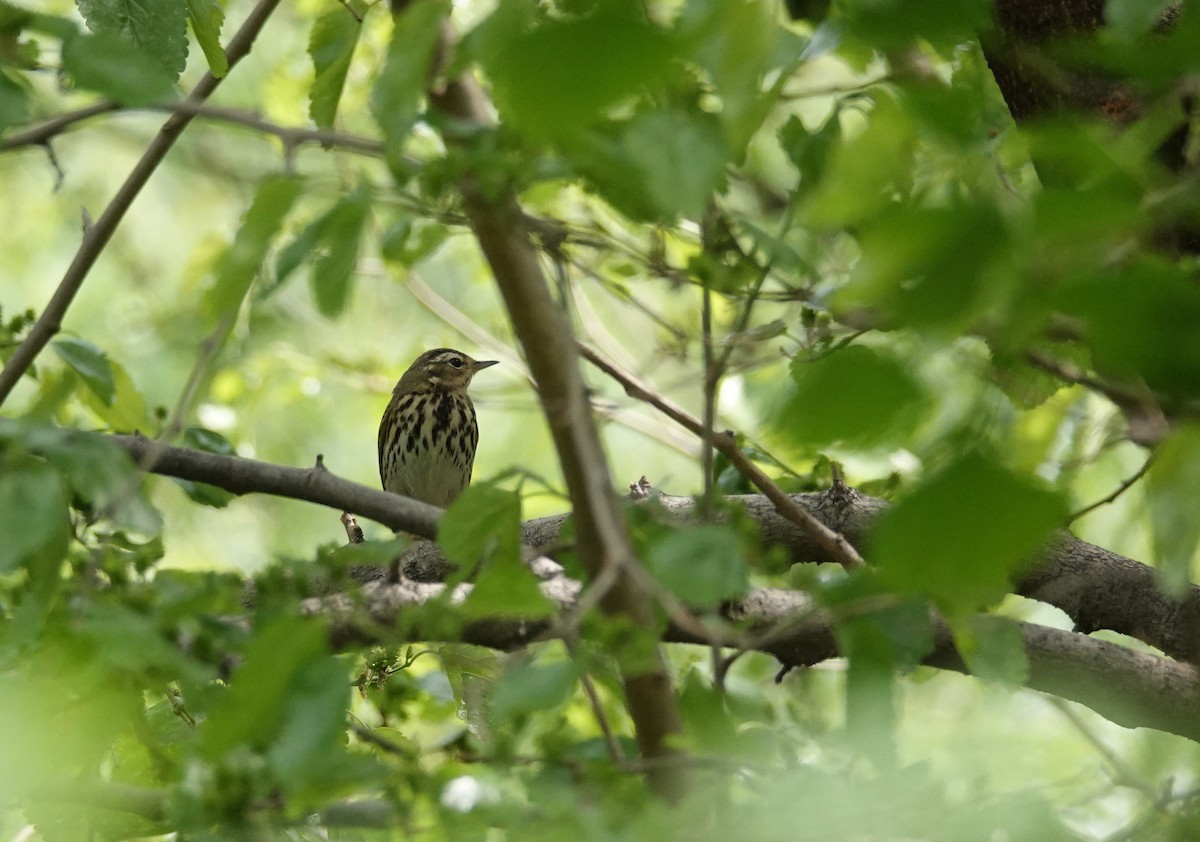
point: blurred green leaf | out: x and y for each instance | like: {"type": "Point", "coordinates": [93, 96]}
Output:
{"type": "Point", "coordinates": [253, 711]}
{"type": "Point", "coordinates": [14, 101]}
{"type": "Point", "coordinates": [1172, 488]}
{"type": "Point", "coordinates": [962, 533]}
{"type": "Point", "coordinates": [112, 66]}
{"type": "Point", "coordinates": [127, 411]}
{"type": "Point", "coordinates": [237, 267]}
{"type": "Point", "coordinates": [856, 395]}
{"type": "Point", "coordinates": [33, 516]}
{"type": "Point", "coordinates": [659, 165]}
{"type": "Point", "coordinates": [701, 565]}
{"type": "Point", "coordinates": [396, 96]}
{"type": "Point", "coordinates": [734, 44]}
{"type": "Point", "coordinates": [896, 23]}
{"type": "Point", "coordinates": [1140, 321]}
{"type": "Point", "coordinates": [331, 46]}
{"type": "Point", "coordinates": [206, 17]}
{"type": "Point", "coordinates": [929, 268]}
{"type": "Point", "coordinates": [341, 231]}
{"type": "Point", "coordinates": [992, 648]}
{"type": "Point", "coordinates": [156, 28]}
{"type": "Point", "coordinates": [866, 171]}
{"type": "Point", "coordinates": [101, 474]}
{"type": "Point", "coordinates": [709, 726]}
{"type": "Point", "coordinates": [551, 81]}
{"type": "Point", "coordinates": [809, 151]}
{"type": "Point", "coordinates": [532, 686]}
{"type": "Point", "coordinates": [91, 364]}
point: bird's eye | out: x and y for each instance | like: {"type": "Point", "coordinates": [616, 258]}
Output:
{"type": "Point", "coordinates": [456, 362]}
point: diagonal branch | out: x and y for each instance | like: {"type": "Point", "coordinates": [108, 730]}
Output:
{"type": "Point", "coordinates": [96, 236]}
{"type": "Point", "coordinates": [838, 548]}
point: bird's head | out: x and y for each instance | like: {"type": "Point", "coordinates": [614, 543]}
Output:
{"type": "Point", "coordinates": [443, 368]}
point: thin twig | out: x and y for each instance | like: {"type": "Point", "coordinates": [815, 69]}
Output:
{"type": "Point", "coordinates": [97, 236]}
{"type": "Point", "coordinates": [834, 543]}
{"type": "Point", "coordinates": [1120, 489]}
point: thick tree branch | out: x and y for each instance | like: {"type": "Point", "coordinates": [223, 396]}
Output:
{"type": "Point", "coordinates": [545, 335]}
{"type": "Point", "coordinates": [1130, 688]}
{"type": "Point", "coordinates": [97, 235]}
{"type": "Point", "coordinates": [1096, 588]}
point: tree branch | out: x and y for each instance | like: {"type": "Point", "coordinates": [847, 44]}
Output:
{"type": "Point", "coordinates": [1096, 588]}
{"type": "Point", "coordinates": [96, 236]}
{"type": "Point", "coordinates": [1130, 688]}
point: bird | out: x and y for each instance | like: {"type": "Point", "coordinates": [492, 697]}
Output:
{"type": "Point", "coordinates": [428, 434]}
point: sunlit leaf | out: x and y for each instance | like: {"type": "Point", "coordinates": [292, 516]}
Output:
{"type": "Point", "coordinates": [331, 46]}
{"type": "Point", "coordinates": [206, 17]}
{"type": "Point", "coordinates": [127, 412]}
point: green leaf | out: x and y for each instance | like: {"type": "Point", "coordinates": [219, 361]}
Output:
{"type": "Point", "coordinates": [854, 395]}
{"type": "Point", "coordinates": [208, 441]}
{"type": "Point", "coordinates": [1139, 321]}
{"type": "Point", "coordinates": [552, 81]}
{"type": "Point", "coordinates": [110, 65]}
{"type": "Point", "coordinates": [682, 159]}
{"type": "Point", "coordinates": [252, 711]}
{"type": "Point", "coordinates": [206, 17]}
{"type": "Point", "coordinates": [331, 46]}
{"type": "Point", "coordinates": [484, 522]}
{"type": "Point", "coordinates": [1172, 488]}
{"type": "Point", "coordinates": [866, 171]}
{"type": "Point", "coordinates": [313, 715]}
{"type": "Point", "coordinates": [396, 96]}
{"type": "Point", "coordinates": [961, 534]}
{"type": "Point", "coordinates": [659, 165]}
{"type": "Point", "coordinates": [91, 364]}
{"type": "Point", "coordinates": [100, 474]}
{"type": "Point", "coordinates": [126, 413]}
{"type": "Point", "coordinates": [532, 686]}
{"type": "Point", "coordinates": [734, 43]}
{"type": "Point", "coordinates": [341, 231]}
{"type": "Point", "coordinates": [897, 23]}
{"type": "Point", "coordinates": [710, 728]}
{"type": "Point", "coordinates": [14, 101]}
{"type": "Point", "coordinates": [483, 526]}
{"type": "Point", "coordinates": [701, 565]}
{"type": "Point", "coordinates": [928, 268]}
{"type": "Point", "coordinates": [238, 266]}
{"type": "Point", "coordinates": [156, 28]}
{"type": "Point", "coordinates": [992, 648]}
{"type": "Point", "coordinates": [33, 517]}
{"type": "Point", "coordinates": [809, 151]}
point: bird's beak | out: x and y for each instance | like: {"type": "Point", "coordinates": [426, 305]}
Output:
{"type": "Point", "coordinates": [479, 365]}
